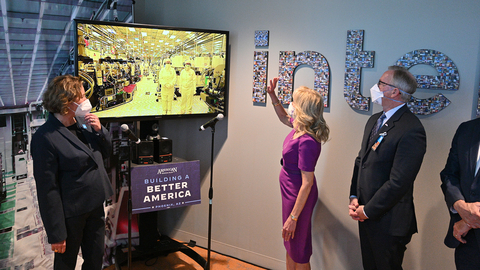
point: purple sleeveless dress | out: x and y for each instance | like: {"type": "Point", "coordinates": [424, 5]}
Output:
{"type": "Point", "coordinates": [299, 154]}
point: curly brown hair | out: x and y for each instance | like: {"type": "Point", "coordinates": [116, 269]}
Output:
{"type": "Point", "coordinates": [60, 92]}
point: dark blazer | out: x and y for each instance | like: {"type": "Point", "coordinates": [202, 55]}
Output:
{"type": "Point", "coordinates": [70, 176]}
{"type": "Point", "coordinates": [458, 177]}
{"type": "Point", "coordinates": [383, 179]}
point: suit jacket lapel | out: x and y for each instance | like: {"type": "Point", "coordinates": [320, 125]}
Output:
{"type": "Point", "coordinates": [390, 124]}
{"type": "Point", "coordinates": [72, 138]}
{"type": "Point", "coordinates": [473, 153]}
{"type": "Point", "coordinates": [370, 124]}
{"type": "Point", "coordinates": [395, 117]}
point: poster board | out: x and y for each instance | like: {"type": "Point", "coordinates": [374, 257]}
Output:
{"type": "Point", "coordinates": [162, 186]}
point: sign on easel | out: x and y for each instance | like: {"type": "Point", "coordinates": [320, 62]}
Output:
{"type": "Point", "coordinates": [162, 186]}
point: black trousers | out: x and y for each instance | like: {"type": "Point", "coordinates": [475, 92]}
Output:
{"type": "Point", "coordinates": [467, 256]}
{"type": "Point", "coordinates": [381, 251]}
{"type": "Point", "coordinates": [86, 231]}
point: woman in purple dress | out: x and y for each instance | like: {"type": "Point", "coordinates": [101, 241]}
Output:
{"type": "Point", "coordinates": [301, 150]}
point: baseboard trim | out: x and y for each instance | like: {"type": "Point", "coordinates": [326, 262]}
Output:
{"type": "Point", "coordinates": [230, 250]}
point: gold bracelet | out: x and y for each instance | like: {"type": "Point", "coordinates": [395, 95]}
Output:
{"type": "Point", "coordinates": [293, 217]}
{"type": "Point", "coordinates": [276, 104]}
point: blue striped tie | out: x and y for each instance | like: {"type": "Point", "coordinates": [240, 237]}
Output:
{"type": "Point", "coordinates": [377, 127]}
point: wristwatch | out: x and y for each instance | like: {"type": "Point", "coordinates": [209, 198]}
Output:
{"type": "Point", "coordinates": [293, 217]}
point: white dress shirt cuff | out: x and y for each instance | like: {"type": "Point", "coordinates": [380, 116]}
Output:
{"type": "Point", "coordinates": [364, 212]}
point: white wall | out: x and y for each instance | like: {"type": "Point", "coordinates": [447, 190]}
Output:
{"type": "Point", "coordinates": [246, 206]}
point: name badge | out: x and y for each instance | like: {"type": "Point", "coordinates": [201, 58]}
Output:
{"type": "Point", "coordinates": [379, 140]}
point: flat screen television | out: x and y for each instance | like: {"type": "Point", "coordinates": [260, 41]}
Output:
{"type": "Point", "coordinates": [144, 72]}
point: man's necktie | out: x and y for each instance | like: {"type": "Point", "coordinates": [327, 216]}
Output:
{"type": "Point", "coordinates": [377, 126]}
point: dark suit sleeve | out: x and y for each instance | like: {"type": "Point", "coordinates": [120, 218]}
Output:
{"type": "Point", "coordinates": [353, 185]}
{"type": "Point", "coordinates": [368, 127]}
{"type": "Point", "coordinates": [105, 141]}
{"type": "Point", "coordinates": [407, 161]}
{"type": "Point", "coordinates": [450, 175]}
{"type": "Point", "coordinates": [45, 170]}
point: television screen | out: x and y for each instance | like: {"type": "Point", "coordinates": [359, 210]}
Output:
{"type": "Point", "coordinates": [138, 71]}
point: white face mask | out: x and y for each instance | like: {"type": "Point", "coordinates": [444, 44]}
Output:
{"type": "Point", "coordinates": [291, 110]}
{"type": "Point", "coordinates": [376, 94]}
{"type": "Point", "coordinates": [83, 108]}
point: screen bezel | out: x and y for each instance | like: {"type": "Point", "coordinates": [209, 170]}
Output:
{"type": "Point", "coordinates": [159, 27]}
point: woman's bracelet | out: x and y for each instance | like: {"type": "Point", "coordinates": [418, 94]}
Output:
{"type": "Point", "coordinates": [276, 104]}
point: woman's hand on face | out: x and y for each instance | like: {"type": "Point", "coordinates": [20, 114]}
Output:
{"type": "Point", "coordinates": [93, 121]}
{"type": "Point", "coordinates": [272, 86]}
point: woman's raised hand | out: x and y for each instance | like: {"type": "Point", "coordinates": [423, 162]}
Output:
{"type": "Point", "coordinates": [272, 86]}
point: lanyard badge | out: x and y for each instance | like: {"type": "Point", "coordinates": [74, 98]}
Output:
{"type": "Point", "coordinates": [379, 140]}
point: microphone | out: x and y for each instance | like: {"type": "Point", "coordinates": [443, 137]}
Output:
{"type": "Point", "coordinates": [130, 134]}
{"type": "Point", "coordinates": [212, 122]}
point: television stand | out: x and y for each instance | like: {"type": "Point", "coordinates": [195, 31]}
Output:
{"type": "Point", "coordinates": [152, 244]}
{"type": "Point", "coordinates": [164, 246]}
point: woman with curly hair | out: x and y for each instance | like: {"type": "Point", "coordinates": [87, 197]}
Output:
{"type": "Point", "coordinates": [301, 150]}
{"type": "Point", "coordinates": [72, 183]}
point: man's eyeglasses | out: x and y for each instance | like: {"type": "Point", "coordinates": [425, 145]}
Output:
{"type": "Point", "coordinates": [381, 82]}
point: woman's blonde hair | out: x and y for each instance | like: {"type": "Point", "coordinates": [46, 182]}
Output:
{"type": "Point", "coordinates": [308, 105]}
{"type": "Point", "coordinates": [60, 92]}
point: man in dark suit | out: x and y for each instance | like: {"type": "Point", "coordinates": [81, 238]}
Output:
{"type": "Point", "coordinates": [72, 183]}
{"type": "Point", "coordinates": [461, 187]}
{"type": "Point", "coordinates": [381, 192]}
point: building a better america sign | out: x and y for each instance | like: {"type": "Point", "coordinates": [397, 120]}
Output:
{"type": "Point", "coordinates": [162, 186]}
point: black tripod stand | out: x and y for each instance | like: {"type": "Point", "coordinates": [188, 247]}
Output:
{"type": "Point", "coordinates": [210, 197]}
{"type": "Point", "coordinates": [211, 124]}
{"type": "Point", "coordinates": [129, 180]}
